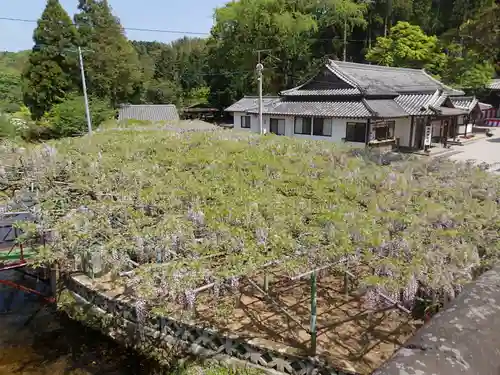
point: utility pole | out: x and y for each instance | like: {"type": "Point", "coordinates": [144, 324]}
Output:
{"type": "Point", "coordinates": [259, 69]}
{"type": "Point", "coordinates": [345, 38]}
{"type": "Point", "coordinates": [84, 86]}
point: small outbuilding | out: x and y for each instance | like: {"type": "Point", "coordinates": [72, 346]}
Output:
{"type": "Point", "coordinates": [148, 112]}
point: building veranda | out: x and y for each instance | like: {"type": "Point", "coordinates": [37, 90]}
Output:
{"type": "Point", "coordinates": [304, 248]}
{"type": "Point", "coordinates": [365, 105]}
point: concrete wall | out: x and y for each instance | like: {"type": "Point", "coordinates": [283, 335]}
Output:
{"type": "Point", "coordinates": [462, 339]}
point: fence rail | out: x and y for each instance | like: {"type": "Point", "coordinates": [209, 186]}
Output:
{"type": "Point", "coordinates": [8, 233]}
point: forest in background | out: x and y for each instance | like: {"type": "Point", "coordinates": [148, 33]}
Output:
{"type": "Point", "coordinates": [458, 41]}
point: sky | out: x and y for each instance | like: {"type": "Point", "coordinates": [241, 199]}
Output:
{"type": "Point", "coordinates": [178, 15]}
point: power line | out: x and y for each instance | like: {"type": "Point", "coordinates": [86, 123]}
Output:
{"type": "Point", "coordinates": [181, 32]}
{"type": "Point", "coordinates": [125, 28]}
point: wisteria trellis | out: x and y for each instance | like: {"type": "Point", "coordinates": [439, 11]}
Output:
{"type": "Point", "coordinates": [198, 209]}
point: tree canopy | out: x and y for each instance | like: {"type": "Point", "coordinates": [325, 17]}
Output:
{"type": "Point", "coordinates": [407, 46]}
{"type": "Point", "coordinates": [51, 69]}
{"type": "Point", "coordinates": [112, 64]}
{"type": "Point", "coordinates": [460, 46]}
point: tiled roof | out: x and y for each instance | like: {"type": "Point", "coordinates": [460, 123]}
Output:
{"type": "Point", "coordinates": [495, 84]}
{"type": "Point", "coordinates": [464, 102]}
{"type": "Point", "coordinates": [386, 108]}
{"type": "Point", "coordinates": [250, 102]}
{"type": "Point", "coordinates": [447, 111]}
{"type": "Point", "coordinates": [345, 109]}
{"type": "Point", "coordinates": [158, 112]}
{"type": "Point", "coordinates": [297, 91]}
{"type": "Point", "coordinates": [484, 106]}
{"type": "Point", "coordinates": [383, 78]}
{"type": "Point", "coordinates": [338, 78]}
{"type": "Point", "coordinates": [414, 104]}
{"type": "Point", "coordinates": [327, 82]}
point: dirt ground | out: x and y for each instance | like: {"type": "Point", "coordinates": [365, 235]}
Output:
{"type": "Point", "coordinates": [350, 336]}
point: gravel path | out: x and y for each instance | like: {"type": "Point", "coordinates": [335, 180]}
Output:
{"type": "Point", "coordinates": [485, 150]}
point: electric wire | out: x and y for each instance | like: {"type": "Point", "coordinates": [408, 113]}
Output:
{"type": "Point", "coordinates": [183, 32]}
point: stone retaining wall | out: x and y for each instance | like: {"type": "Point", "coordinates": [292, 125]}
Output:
{"type": "Point", "coordinates": [462, 339]}
{"type": "Point", "coordinates": [199, 341]}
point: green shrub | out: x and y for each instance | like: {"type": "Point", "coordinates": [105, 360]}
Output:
{"type": "Point", "coordinates": [10, 107]}
{"type": "Point", "coordinates": [7, 128]}
{"type": "Point", "coordinates": [68, 118]}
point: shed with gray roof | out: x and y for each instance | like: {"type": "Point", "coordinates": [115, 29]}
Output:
{"type": "Point", "coordinates": [149, 112]}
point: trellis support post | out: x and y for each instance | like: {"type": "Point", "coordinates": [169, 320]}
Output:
{"type": "Point", "coordinates": [313, 313]}
{"type": "Point", "coordinates": [346, 281]}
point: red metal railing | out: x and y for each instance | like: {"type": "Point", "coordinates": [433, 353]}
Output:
{"type": "Point", "coordinates": [16, 263]}
{"type": "Point", "coordinates": [23, 288]}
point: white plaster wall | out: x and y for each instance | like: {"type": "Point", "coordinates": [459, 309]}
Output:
{"type": "Point", "coordinates": [402, 130]}
{"type": "Point", "coordinates": [338, 131]}
{"type": "Point", "coordinates": [436, 128]}
{"type": "Point", "coordinates": [338, 127]}
{"type": "Point", "coordinates": [237, 120]}
{"type": "Point", "coordinates": [461, 129]}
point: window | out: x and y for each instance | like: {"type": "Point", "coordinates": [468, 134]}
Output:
{"type": "Point", "coordinates": [303, 125]}
{"type": "Point", "coordinates": [313, 126]}
{"type": "Point", "coordinates": [383, 130]}
{"type": "Point", "coordinates": [355, 132]}
{"type": "Point", "coordinates": [245, 122]}
{"type": "Point", "coordinates": [322, 127]}
{"type": "Point", "coordinates": [277, 126]}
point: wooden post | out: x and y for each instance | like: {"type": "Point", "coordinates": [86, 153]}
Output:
{"type": "Point", "coordinates": [54, 279]}
{"type": "Point", "coordinates": [313, 313]}
{"type": "Point", "coordinates": [346, 279]}
{"type": "Point", "coordinates": [266, 282]}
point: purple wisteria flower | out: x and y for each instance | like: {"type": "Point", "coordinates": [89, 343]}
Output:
{"type": "Point", "coordinates": [197, 217]}
{"type": "Point", "coordinates": [261, 236]}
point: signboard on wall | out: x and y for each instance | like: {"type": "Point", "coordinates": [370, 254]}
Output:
{"type": "Point", "coordinates": [428, 135]}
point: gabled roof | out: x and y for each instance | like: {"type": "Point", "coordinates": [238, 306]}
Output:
{"type": "Point", "coordinates": [495, 84]}
{"type": "Point", "coordinates": [416, 104]}
{"type": "Point", "coordinates": [401, 80]}
{"type": "Point", "coordinates": [327, 82]}
{"type": "Point", "coordinates": [148, 112]}
{"type": "Point", "coordinates": [352, 90]}
{"type": "Point", "coordinates": [338, 78]}
{"type": "Point", "coordinates": [484, 106]}
{"type": "Point", "coordinates": [248, 103]}
{"type": "Point", "coordinates": [464, 102]}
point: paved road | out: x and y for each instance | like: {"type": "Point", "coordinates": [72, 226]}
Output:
{"type": "Point", "coordinates": [485, 150]}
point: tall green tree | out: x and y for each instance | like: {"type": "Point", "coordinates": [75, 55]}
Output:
{"type": "Point", "coordinates": [408, 46]}
{"type": "Point", "coordinates": [112, 64]}
{"type": "Point", "coordinates": [482, 33]}
{"type": "Point", "coordinates": [467, 69]}
{"type": "Point", "coordinates": [241, 28]}
{"type": "Point", "coordinates": [52, 65]}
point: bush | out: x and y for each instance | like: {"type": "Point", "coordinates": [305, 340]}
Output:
{"type": "Point", "coordinates": [68, 118]}
{"type": "Point", "coordinates": [10, 107]}
{"type": "Point", "coordinates": [7, 128]}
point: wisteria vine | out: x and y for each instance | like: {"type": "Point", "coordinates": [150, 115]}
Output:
{"type": "Point", "coordinates": [212, 208]}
